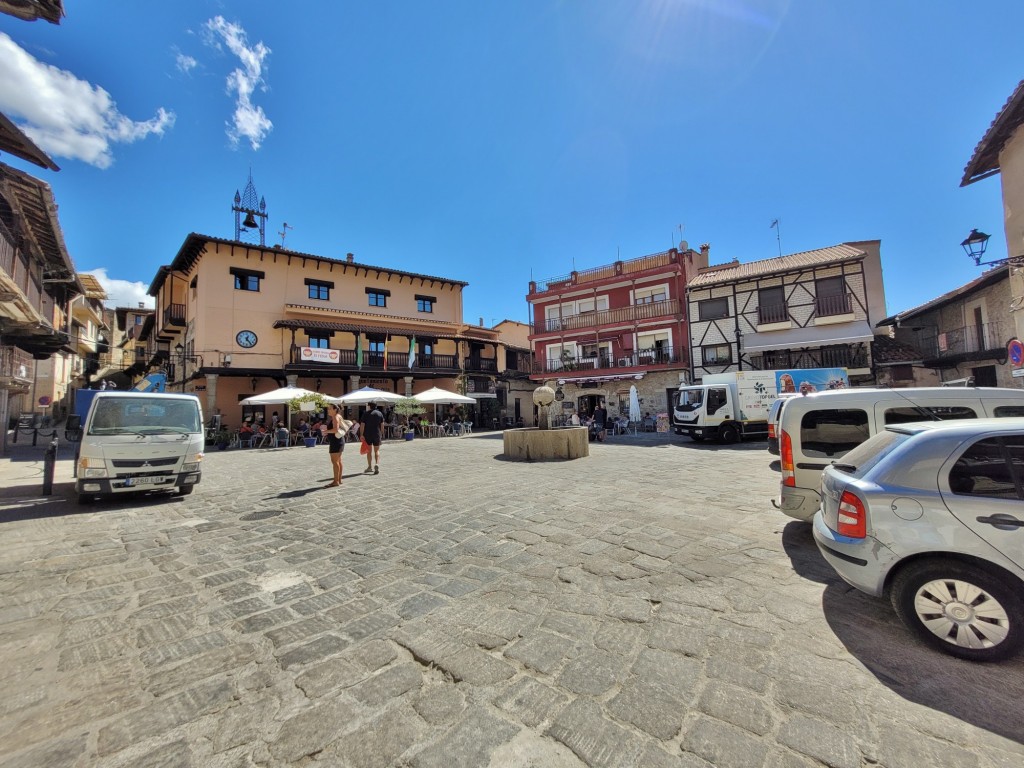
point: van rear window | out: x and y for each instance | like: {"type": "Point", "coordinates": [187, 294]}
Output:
{"type": "Point", "coordinates": [907, 414]}
{"type": "Point", "coordinates": [833, 432]}
{"type": "Point", "coordinates": [1008, 411]}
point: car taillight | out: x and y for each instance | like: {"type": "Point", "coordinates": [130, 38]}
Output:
{"type": "Point", "coordinates": [786, 460]}
{"type": "Point", "coordinates": [853, 520]}
{"type": "Point", "coordinates": [771, 429]}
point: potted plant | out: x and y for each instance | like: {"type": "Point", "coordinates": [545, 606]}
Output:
{"type": "Point", "coordinates": [309, 403]}
{"type": "Point", "coordinates": [407, 407]}
{"type": "Point", "coordinates": [223, 438]}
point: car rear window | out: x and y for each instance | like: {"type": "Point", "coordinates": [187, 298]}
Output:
{"type": "Point", "coordinates": [905, 414]}
{"type": "Point", "coordinates": [832, 432]}
{"type": "Point", "coordinates": [862, 458]}
{"type": "Point", "coordinates": [1008, 411]}
{"type": "Point", "coordinates": [984, 471]}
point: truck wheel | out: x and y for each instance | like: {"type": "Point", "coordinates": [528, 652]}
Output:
{"type": "Point", "coordinates": [728, 434]}
{"type": "Point", "coordinates": [961, 609]}
{"type": "Point", "coordinates": [185, 490]}
{"type": "Point", "coordinates": [697, 438]}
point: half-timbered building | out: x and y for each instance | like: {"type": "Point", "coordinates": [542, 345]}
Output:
{"type": "Point", "coordinates": [803, 310]}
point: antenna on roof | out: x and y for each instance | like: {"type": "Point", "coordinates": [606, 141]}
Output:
{"type": "Point", "coordinates": [284, 231]}
{"type": "Point", "coordinates": [778, 232]}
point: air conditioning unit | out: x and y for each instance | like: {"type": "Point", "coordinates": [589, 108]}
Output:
{"type": "Point", "coordinates": [625, 362]}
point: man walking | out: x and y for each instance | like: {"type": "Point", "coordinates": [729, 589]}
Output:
{"type": "Point", "coordinates": [372, 421]}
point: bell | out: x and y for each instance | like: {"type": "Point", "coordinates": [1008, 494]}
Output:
{"type": "Point", "coordinates": [250, 221]}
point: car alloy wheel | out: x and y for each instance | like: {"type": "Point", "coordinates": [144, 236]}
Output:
{"type": "Point", "coordinates": [960, 609]}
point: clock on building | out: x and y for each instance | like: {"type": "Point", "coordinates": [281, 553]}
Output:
{"type": "Point", "coordinates": [246, 339]}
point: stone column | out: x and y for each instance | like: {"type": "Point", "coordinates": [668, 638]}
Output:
{"type": "Point", "coordinates": [353, 382]}
{"type": "Point", "coordinates": [408, 386]}
{"type": "Point", "coordinates": [292, 379]}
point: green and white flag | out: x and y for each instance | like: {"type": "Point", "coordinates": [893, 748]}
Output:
{"type": "Point", "coordinates": [412, 352]}
{"type": "Point", "coordinates": [359, 351]}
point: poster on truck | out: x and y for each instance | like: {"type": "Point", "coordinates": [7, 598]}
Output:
{"type": "Point", "coordinates": [807, 380]}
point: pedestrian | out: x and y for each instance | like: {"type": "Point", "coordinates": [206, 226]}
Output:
{"type": "Point", "coordinates": [600, 417]}
{"type": "Point", "coordinates": [337, 427]}
{"type": "Point", "coordinates": [372, 420]}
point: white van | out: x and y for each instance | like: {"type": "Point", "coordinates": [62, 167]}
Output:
{"type": "Point", "coordinates": [139, 441]}
{"type": "Point", "coordinates": [817, 429]}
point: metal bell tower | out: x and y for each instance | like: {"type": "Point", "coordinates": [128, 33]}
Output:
{"type": "Point", "coordinates": [255, 215]}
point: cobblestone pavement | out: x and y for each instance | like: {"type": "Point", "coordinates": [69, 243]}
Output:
{"type": "Point", "coordinates": [644, 606]}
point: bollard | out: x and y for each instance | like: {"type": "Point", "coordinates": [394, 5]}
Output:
{"type": "Point", "coordinates": [49, 464]}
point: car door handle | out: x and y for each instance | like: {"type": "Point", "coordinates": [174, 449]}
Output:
{"type": "Point", "coordinates": [1003, 522]}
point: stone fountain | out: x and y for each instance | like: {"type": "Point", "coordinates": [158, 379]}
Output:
{"type": "Point", "coordinates": [545, 443]}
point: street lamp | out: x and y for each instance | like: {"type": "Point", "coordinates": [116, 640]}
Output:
{"type": "Point", "coordinates": [181, 355]}
{"type": "Point", "coordinates": [974, 246]}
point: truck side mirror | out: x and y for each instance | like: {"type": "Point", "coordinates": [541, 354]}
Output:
{"type": "Point", "coordinates": [73, 428]}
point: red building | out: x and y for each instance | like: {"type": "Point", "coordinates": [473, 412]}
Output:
{"type": "Point", "coordinates": [598, 331]}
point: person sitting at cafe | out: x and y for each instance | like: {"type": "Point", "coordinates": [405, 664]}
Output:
{"type": "Point", "coordinates": [303, 428]}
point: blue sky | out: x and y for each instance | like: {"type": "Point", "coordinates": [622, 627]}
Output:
{"type": "Point", "coordinates": [489, 142]}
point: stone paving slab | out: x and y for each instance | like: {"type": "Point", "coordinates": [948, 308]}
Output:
{"type": "Point", "coordinates": [643, 606]}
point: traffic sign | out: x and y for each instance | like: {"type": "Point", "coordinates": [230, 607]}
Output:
{"type": "Point", "coordinates": [44, 400]}
{"type": "Point", "coordinates": [1015, 351]}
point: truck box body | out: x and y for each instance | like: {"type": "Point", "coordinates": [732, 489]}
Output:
{"type": "Point", "coordinates": [139, 441]}
{"type": "Point", "coordinates": [733, 405]}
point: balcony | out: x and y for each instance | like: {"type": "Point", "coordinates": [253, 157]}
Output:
{"type": "Point", "coordinates": [840, 356]}
{"type": "Point", "coordinates": [481, 365]}
{"type": "Point", "coordinates": [643, 359]}
{"type": "Point", "coordinates": [972, 342]}
{"type": "Point", "coordinates": [772, 313]}
{"type": "Point", "coordinates": [174, 315]}
{"type": "Point", "coordinates": [374, 361]}
{"type": "Point", "coordinates": [613, 316]}
{"type": "Point", "coordinates": [608, 271]}
{"type": "Point", "coordinates": [830, 306]}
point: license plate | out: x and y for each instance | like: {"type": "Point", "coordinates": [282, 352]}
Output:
{"type": "Point", "coordinates": [130, 482]}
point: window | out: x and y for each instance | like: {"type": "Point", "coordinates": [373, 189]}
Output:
{"type": "Point", "coordinates": [319, 340]}
{"type": "Point", "coordinates": [713, 309]}
{"type": "Point", "coordinates": [139, 319]}
{"type": "Point", "coordinates": [983, 470]}
{"type": "Point", "coordinates": [927, 413]}
{"type": "Point", "coordinates": [650, 295]}
{"type": "Point", "coordinates": [830, 286]}
{"type": "Point", "coordinates": [376, 346]}
{"type": "Point", "coordinates": [831, 297]}
{"type": "Point", "coordinates": [716, 399]}
{"type": "Point", "coordinates": [247, 279]}
{"type": "Point", "coordinates": [1008, 411]}
{"type": "Point", "coordinates": [426, 348]}
{"type": "Point", "coordinates": [377, 297]}
{"type": "Point", "coordinates": [771, 305]}
{"type": "Point", "coordinates": [719, 354]}
{"type": "Point", "coordinates": [319, 289]}
{"type": "Point", "coordinates": [832, 432]}
{"type": "Point", "coordinates": [425, 303]}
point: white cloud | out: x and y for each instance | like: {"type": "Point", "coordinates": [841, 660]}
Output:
{"type": "Point", "coordinates": [186, 63]}
{"type": "Point", "coordinates": [122, 293]}
{"type": "Point", "coordinates": [249, 121]}
{"type": "Point", "coordinates": [66, 116]}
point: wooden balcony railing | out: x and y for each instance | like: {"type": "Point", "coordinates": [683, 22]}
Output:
{"type": "Point", "coordinates": [481, 364]}
{"type": "Point", "coordinates": [620, 315]}
{"type": "Point", "coordinates": [841, 304]}
{"type": "Point", "coordinates": [772, 313]}
{"type": "Point", "coordinates": [374, 361]}
{"type": "Point", "coordinates": [174, 314]}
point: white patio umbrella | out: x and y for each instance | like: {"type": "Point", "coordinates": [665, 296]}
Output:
{"type": "Point", "coordinates": [436, 396]}
{"type": "Point", "coordinates": [634, 404]}
{"type": "Point", "coordinates": [281, 396]}
{"type": "Point", "coordinates": [366, 395]}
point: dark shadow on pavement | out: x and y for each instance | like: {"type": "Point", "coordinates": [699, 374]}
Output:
{"type": "Point", "coordinates": [979, 694]}
{"type": "Point", "coordinates": [798, 542]}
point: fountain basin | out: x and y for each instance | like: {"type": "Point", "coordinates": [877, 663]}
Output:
{"type": "Point", "coordinates": [558, 444]}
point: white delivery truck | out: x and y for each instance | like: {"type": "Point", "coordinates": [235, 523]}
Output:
{"type": "Point", "coordinates": [731, 406]}
{"type": "Point", "coordinates": [139, 441]}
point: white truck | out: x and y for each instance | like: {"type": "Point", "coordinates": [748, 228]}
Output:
{"type": "Point", "coordinates": [731, 406]}
{"type": "Point", "coordinates": [139, 441]}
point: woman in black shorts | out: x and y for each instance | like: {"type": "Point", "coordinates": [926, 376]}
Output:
{"type": "Point", "coordinates": [336, 442]}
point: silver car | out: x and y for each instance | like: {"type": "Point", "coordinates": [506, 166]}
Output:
{"type": "Point", "coordinates": [932, 514]}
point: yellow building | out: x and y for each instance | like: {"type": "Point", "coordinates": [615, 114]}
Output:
{"type": "Point", "coordinates": [235, 319]}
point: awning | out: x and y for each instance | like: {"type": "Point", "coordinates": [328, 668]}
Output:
{"type": "Point", "coordinates": [616, 377]}
{"type": "Point", "coordinates": [812, 336]}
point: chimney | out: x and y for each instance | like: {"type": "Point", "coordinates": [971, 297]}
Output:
{"type": "Point", "coordinates": [350, 257]}
{"type": "Point", "coordinates": [481, 322]}
{"type": "Point", "coordinates": [705, 249]}
{"type": "Point", "coordinates": [142, 305]}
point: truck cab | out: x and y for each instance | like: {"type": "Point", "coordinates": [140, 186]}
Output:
{"type": "Point", "coordinates": [703, 411]}
{"type": "Point", "coordinates": [139, 441]}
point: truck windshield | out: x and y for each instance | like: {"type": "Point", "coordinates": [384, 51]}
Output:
{"type": "Point", "coordinates": [690, 399]}
{"type": "Point", "coordinates": [144, 416]}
